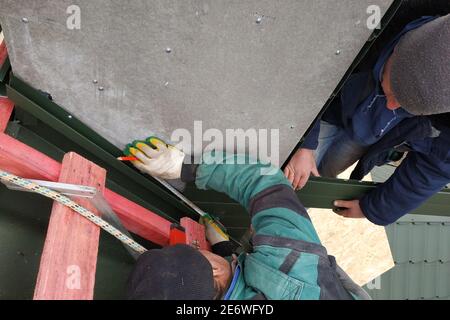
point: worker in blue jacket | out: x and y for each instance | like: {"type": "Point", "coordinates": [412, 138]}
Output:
{"type": "Point", "coordinates": [287, 262]}
{"type": "Point", "coordinates": [401, 103]}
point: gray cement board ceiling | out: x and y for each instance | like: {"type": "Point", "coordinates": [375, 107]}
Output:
{"type": "Point", "coordinates": [224, 67]}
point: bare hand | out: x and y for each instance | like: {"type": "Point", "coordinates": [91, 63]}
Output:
{"type": "Point", "coordinates": [301, 167]}
{"type": "Point", "coordinates": [349, 209]}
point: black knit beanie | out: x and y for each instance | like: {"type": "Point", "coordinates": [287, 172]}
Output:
{"type": "Point", "coordinates": [172, 273]}
{"type": "Point", "coordinates": [421, 69]}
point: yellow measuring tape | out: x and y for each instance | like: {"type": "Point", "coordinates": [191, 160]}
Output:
{"type": "Point", "coordinates": [31, 186]}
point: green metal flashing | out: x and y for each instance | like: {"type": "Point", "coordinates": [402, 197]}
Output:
{"type": "Point", "coordinates": [321, 193]}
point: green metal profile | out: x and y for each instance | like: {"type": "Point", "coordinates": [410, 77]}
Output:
{"type": "Point", "coordinates": [321, 193]}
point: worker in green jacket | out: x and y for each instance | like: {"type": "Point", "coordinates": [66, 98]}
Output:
{"type": "Point", "coordinates": [288, 261]}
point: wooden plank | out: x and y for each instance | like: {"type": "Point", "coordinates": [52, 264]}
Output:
{"type": "Point", "coordinates": [22, 160]}
{"type": "Point", "coordinates": [69, 258]}
{"type": "Point", "coordinates": [195, 234]}
{"type": "Point", "coordinates": [6, 109]}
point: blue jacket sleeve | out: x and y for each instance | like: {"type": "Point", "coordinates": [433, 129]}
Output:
{"type": "Point", "coordinates": [263, 190]}
{"type": "Point", "coordinates": [312, 139]}
{"type": "Point", "coordinates": [418, 178]}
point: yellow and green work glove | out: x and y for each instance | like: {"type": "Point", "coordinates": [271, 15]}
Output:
{"type": "Point", "coordinates": [214, 232]}
{"type": "Point", "coordinates": [156, 158]}
{"type": "Point", "coordinates": [159, 159]}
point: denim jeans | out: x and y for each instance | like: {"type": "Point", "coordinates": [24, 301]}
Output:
{"type": "Point", "coordinates": [336, 151]}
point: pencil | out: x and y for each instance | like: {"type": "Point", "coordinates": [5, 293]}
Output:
{"type": "Point", "coordinates": [127, 158]}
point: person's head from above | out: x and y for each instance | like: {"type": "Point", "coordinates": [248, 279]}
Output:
{"type": "Point", "coordinates": [416, 77]}
{"type": "Point", "coordinates": [179, 273]}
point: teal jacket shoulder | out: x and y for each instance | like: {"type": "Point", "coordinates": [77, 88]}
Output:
{"type": "Point", "coordinates": [288, 260]}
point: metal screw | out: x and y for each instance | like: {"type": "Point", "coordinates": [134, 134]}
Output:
{"type": "Point", "coordinates": [69, 116]}
{"type": "Point", "coordinates": [95, 81]}
{"type": "Point", "coordinates": [292, 127]}
{"type": "Point", "coordinates": [338, 52]}
{"type": "Point", "coordinates": [166, 84]}
{"type": "Point", "coordinates": [101, 88]}
{"type": "Point", "coordinates": [25, 20]}
{"type": "Point", "coordinates": [168, 50]}
{"type": "Point", "coordinates": [258, 20]}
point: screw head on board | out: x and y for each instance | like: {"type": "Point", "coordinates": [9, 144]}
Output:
{"type": "Point", "coordinates": [25, 20]}
{"type": "Point", "coordinates": [101, 88]}
{"type": "Point", "coordinates": [168, 50]}
{"type": "Point", "coordinates": [94, 81]}
{"type": "Point", "coordinates": [338, 52]}
{"type": "Point", "coordinates": [259, 20]}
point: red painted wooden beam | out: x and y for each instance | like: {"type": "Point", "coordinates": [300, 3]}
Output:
{"type": "Point", "coordinates": [69, 258]}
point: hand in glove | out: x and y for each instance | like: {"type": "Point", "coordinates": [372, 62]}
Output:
{"type": "Point", "coordinates": [214, 232]}
{"type": "Point", "coordinates": [156, 158]}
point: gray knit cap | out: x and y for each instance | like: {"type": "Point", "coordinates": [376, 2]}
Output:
{"type": "Point", "coordinates": [421, 69]}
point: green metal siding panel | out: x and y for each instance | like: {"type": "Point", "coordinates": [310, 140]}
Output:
{"type": "Point", "coordinates": [421, 251]}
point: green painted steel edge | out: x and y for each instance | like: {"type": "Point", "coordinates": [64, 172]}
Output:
{"type": "Point", "coordinates": [322, 192]}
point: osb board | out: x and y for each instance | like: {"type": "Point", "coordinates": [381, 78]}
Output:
{"type": "Point", "coordinates": [360, 247]}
